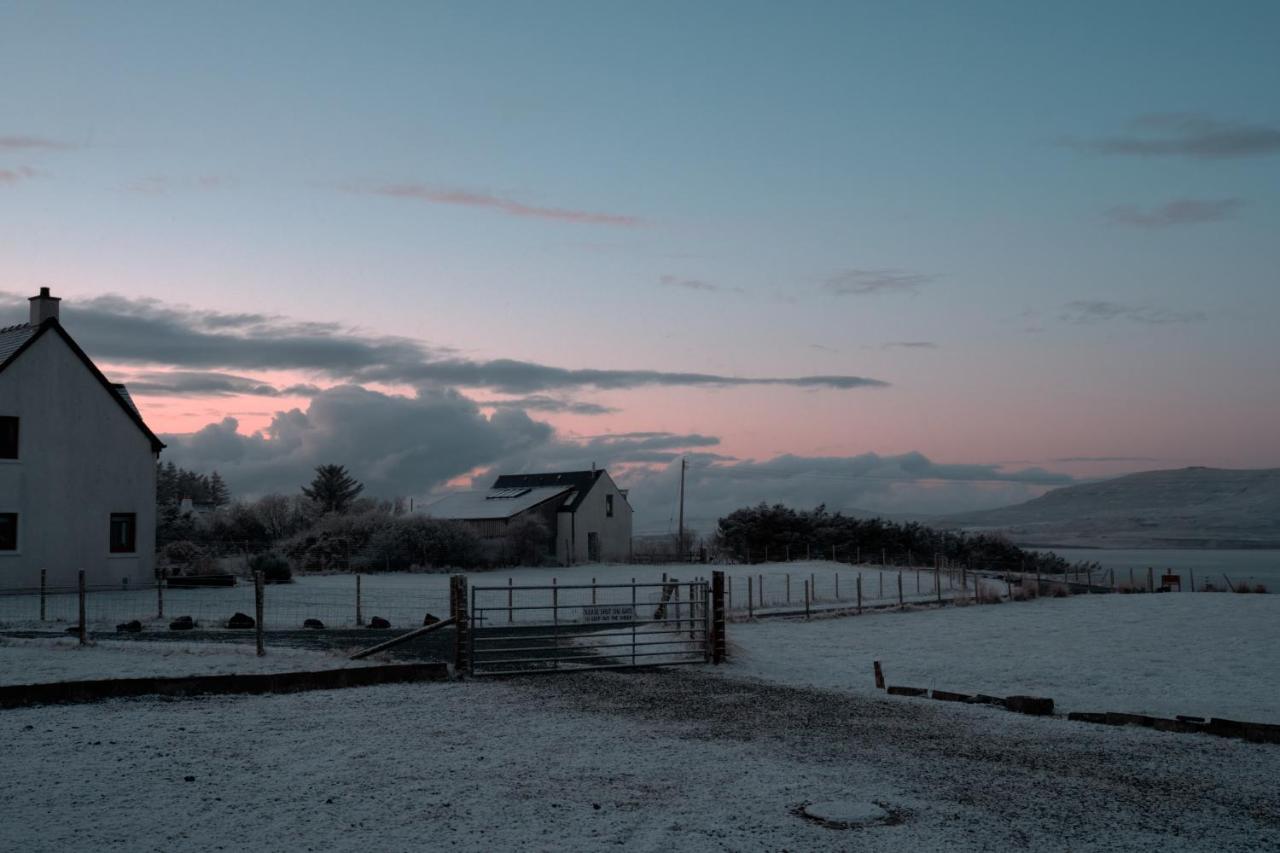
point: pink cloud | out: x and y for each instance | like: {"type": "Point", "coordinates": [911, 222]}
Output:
{"type": "Point", "coordinates": [20, 173]}
{"type": "Point", "coordinates": [468, 198]}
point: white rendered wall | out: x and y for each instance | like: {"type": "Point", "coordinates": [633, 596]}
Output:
{"type": "Point", "coordinates": [615, 532]}
{"type": "Point", "coordinates": [81, 458]}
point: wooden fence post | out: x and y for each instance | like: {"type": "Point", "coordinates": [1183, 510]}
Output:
{"type": "Point", "coordinates": [859, 593]}
{"type": "Point", "coordinates": [806, 599]}
{"type": "Point", "coordinates": [359, 603]}
{"type": "Point", "coordinates": [593, 590]}
{"type": "Point", "coordinates": [901, 604]}
{"type": "Point", "coordinates": [257, 605]}
{"type": "Point", "coordinates": [728, 593]}
{"type": "Point", "coordinates": [937, 580]}
{"type": "Point", "coordinates": [458, 609]}
{"type": "Point", "coordinates": [43, 573]}
{"type": "Point", "coordinates": [164, 577]}
{"type": "Point", "coordinates": [511, 608]}
{"type": "Point", "coordinates": [750, 605]}
{"type": "Point", "coordinates": [881, 594]}
{"type": "Point", "coordinates": [788, 587]}
{"type": "Point", "coordinates": [1193, 580]}
{"type": "Point", "coordinates": [813, 585]}
{"type": "Point", "coordinates": [84, 629]}
{"type": "Point", "coordinates": [760, 589]}
{"type": "Point", "coordinates": [1151, 579]}
{"type": "Point", "coordinates": [879, 675]}
{"type": "Point", "coordinates": [837, 576]}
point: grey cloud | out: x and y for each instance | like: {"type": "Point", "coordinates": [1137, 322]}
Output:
{"type": "Point", "coordinates": [868, 282]}
{"type": "Point", "coordinates": [1186, 211]}
{"type": "Point", "coordinates": [1097, 311]}
{"type": "Point", "coordinates": [544, 403]}
{"type": "Point", "coordinates": [149, 332]}
{"type": "Point", "coordinates": [1187, 135]}
{"type": "Point", "coordinates": [163, 185]}
{"type": "Point", "coordinates": [194, 383]}
{"type": "Point", "coordinates": [31, 143]}
{"type": "Point", "coordinates": [867, 483]}
{"type": "Point", "coordinates": [909, 345]}
{"type": "Point", "coordinates": [470, 198]}
{"type": "Point", "coordinates": [695, 284]}
{"type": "Point", "coordinates": [395, 445]}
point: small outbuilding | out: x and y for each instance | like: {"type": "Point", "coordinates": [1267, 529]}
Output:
{"type": "Point", "coordinates": [583, 515]}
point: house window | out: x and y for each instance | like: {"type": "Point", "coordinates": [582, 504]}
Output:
{"type": "Point", "coordinates": [8, 531]}
{"type": "Point", "coordinates": [608, 506]}
{"type": "Point", "coordinates": [8, 437]}
{"type": "Point", "coordinates": [124, 532]}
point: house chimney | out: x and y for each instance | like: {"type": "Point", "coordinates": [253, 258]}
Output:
{"type": "Point", "coordinates": [44, 307]}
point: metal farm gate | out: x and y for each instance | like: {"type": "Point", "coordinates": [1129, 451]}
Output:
{"type": "Point", "coordinates": [515, 630]}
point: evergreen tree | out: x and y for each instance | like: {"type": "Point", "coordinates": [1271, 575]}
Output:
{"type": "Point", "coordinates": [219, 494]}
{"type": "Point", "coordinates": [333, 489]}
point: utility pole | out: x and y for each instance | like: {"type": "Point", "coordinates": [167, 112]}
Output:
{"type": "Point", "coordinates": [684, 463]}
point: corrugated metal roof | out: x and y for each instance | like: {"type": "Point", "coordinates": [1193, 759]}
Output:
{"type": "Point", "coordinates": [491, 504]}
{"type": "Point", "coordinates": [13, 337]}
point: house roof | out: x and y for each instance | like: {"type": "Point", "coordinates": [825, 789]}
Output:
{"type": "Point", "coordinates": [15, 340]}
{"type": "Point", "coordinates": [582, 481]}
{"type": "Point", "coordinates": [495, 503]}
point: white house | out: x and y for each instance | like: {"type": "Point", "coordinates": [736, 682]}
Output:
{"type": "Point", "coordinates": [77, 463]}
{"type": "Point", "coordinates": [588, 518]}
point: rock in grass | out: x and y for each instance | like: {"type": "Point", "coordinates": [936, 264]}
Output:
{"type": "Point", "coordinates": [132, 627]}
{"type": "Point", "coordinates": [312, 623]}
{"type": "Point", "coordinates": [429, 620]}
{"type": "Point", "coordinates": [182, 623]}
{"type": "Point", "coordinates": [1036, 706]}
{"type": "Point", "coordinates": [379, 623]}
{"type": "Point", "coordinates": [241, 621]}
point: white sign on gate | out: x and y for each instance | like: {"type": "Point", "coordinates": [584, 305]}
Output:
{"type": "Point", "coordinates": [608, 613]}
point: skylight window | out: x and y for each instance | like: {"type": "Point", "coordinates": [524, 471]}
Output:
{"type": "Point", "coordinates": [506, 494]}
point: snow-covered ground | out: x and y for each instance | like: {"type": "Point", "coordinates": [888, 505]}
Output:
{"type": "Point", "coordinates": [37, 661]}
{"type": "Point", "coordinates": [1203, 654]}
{"type": "Point", "coordinates": [674, 760]}
{"type": "Point", "coordinates": [404, 598]}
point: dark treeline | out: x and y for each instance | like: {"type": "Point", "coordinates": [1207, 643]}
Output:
{"type": "Point", "coordinates": [747, 533]}
{"type": "Point", "coordinates": [174, 483]}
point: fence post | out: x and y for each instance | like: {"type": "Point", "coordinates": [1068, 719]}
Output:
{"type": "Point", "coordinates": [729, 581]}
{"type": "Point", "coordinates": [786, 549]}
{"type": "Point", "coordinates": [1151, 579]}
{"type": "Point", "coordinates": [717, 617]}
{"type": "Point", "coordinates": [750, 607]}
{"type": "Point", "coordinates": [937, 580]}
{"type": "Point", "coordinates": [1193, 580]}
{"type": "Point", "coordinates": [359, 603]}
{"type": "Point", "coordinates": [859, 593]}
{"type": "Point", "coordinates": [901, 604]}
{"type": "Point", "coordinates": [977, 595]}
{"type": "Point", "coordinates": [806, 599]}
{"type": "Point", "coordinates": [511, 609]}
{"type": "Point", "coordinates": [760, 589]}
{"type": "Point", "coordinates": [833, 553]}
{"type": "Point", "coordinates": [837, 576]}
{"type": "Point", "coordinates": [84, 630]}
{"type": "Point", "coordinates": [593, 590]}
{"type": "Point", "coordinates": [461, 633]}
{"type": "Point", "coordinates": [164, 576]}
{"type": "Point", "coordinates": [43, 572]}
{"type": "Point", "coordinates": [788, 587]}
{"type": "Point", "coordinates": [257, 604]}
{"type": "Point", "coordinates": [881, 595]}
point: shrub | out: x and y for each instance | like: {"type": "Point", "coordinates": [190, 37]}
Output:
{"type": "Point", "coordinates": [274, 567]}
{"type": "Point", "coordinates": [1243, 587]}
{"type": "Point", "coordinates": [1061, 591]}
{"type": "Point", "coordinates": [1260, 588]}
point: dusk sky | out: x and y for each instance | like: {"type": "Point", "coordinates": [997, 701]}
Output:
{"type": "Point", "coordinates": [986, 248]}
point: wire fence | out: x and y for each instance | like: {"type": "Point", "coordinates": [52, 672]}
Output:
{"type": "Point", "coordinates": [286, 606]}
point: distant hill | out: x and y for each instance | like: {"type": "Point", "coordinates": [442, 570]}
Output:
{"type": "Point", "coordinates": [1182, 508]}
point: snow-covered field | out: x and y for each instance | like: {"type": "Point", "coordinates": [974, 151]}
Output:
{"type": "Point", "coordinates": [1203, 654]}
{"type": "Point", "coordinates": [674, 760]}
{"type": "Point", "coordinates": [37, 661]}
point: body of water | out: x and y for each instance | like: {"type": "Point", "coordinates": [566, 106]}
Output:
{"type": "Point", "coordinates": [1262, 566]}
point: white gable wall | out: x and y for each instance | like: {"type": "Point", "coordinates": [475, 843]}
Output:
{"type": "Point", "coordinates": [614, 533]}
{"type": "Point", "coordinates": [81, 458]}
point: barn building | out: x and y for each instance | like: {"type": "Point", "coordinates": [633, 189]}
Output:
{"type": "Point", "coordinates": [587, 518]}
{"type": "Point", "coordinates": [77, 463]}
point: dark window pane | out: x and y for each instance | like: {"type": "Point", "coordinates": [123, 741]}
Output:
{"type": "Point", "coordinates": [608, 505]}
{"type": "Point", "coordinates": [8, 437]}
{"type": "Point", "coordinates": [8, 531]}
{"type": "Point", "coordinates": [124, 532]}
